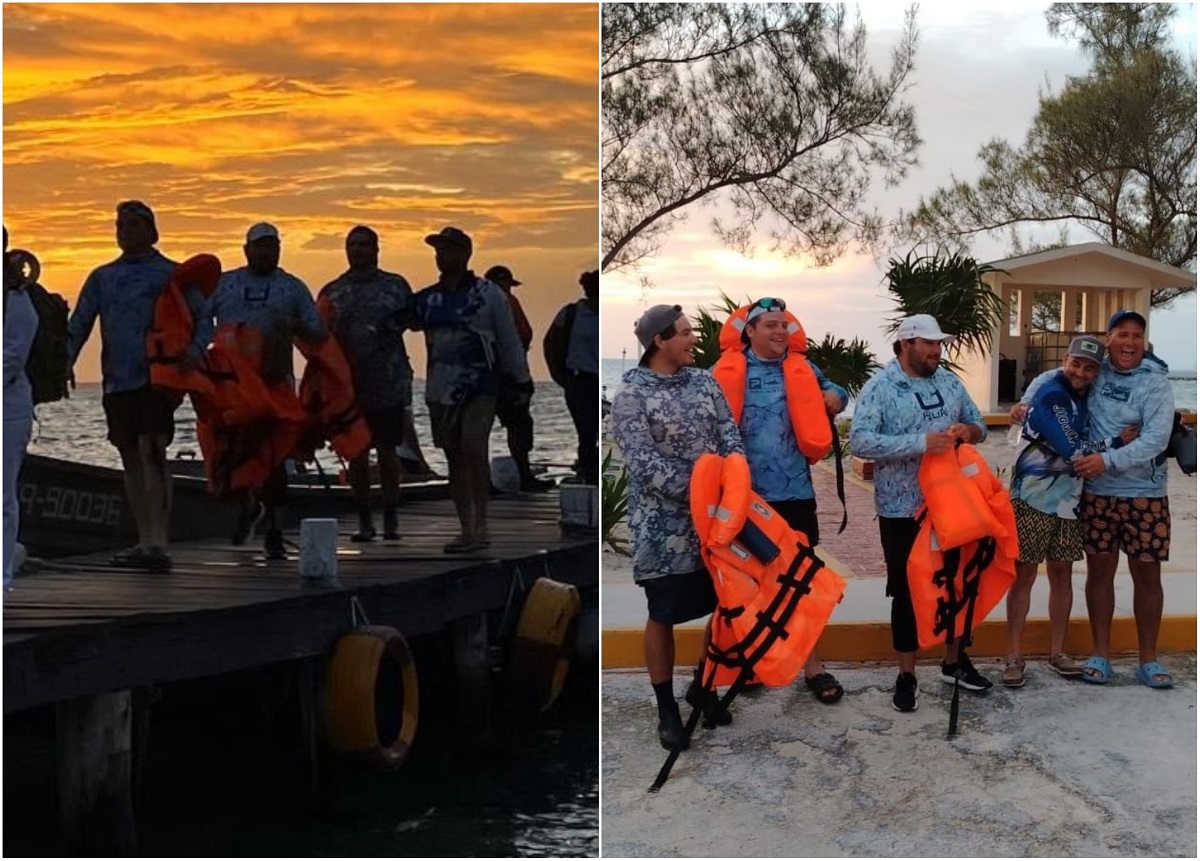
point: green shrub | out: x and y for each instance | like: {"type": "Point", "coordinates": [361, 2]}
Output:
{"type": "Point", "coordinates": [614, 504]}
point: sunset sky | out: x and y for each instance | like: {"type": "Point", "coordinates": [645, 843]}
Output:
{"type": "Point", "coordinates": [979, 67]}
{"type": "Point", "coordinates": [315, 117]}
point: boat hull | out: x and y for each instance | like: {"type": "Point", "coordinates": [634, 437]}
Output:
{"type": "Point", "coordinates": [72, 508]}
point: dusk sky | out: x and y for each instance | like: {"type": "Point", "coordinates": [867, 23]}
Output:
{"type": "Point", "coordinates": [979, 67]}
{"type": "Point", "coordinates": [315, 117]}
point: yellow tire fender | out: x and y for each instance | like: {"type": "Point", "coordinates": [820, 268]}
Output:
{"type": "Point", "coordinates": [545, 640]}
{"type": "Point", "coordinates": [367, 661]}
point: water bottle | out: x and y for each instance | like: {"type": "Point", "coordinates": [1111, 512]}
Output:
{"type": "Point", "coordinates": [1014, 433]}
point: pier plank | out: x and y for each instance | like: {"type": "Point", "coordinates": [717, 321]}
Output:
{"type": "Point", "coordinates": [80, 627]}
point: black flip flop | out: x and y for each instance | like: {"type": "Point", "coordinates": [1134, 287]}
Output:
{"type": "Point", "coordinates": [824, 687]}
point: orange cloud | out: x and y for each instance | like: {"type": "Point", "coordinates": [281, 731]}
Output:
{"type": "Point", "coordinates": [316, 117]}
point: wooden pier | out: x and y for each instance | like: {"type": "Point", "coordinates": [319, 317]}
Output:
{"type": "Point", "coordinates": [83, 635]}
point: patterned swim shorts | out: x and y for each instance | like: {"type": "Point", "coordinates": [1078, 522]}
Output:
{"type": "Point", "coordinates": [1043, 536]}
{"type": "Point", "coordinates": [1138, 525]}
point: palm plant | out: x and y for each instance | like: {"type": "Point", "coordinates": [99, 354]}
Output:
{"type": "Point", "coordinates": [614, 504]}
{"type": "Point", "coordinates": [708, 323]}
{"type": "Point", "coordinates": [848, 365]}
{"type": "Point", "coordinates": [951, 288]}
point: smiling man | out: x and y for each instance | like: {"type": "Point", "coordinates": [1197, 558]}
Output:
{"type": "Point", "coordinates": [769, 386]}
{"type": "Point", "coordinates": [665, 417]}
{"type": "Point", "coordinates": [1046, 492]}
{"type": "Point", "coordinates": [1124, 505]}
{"type": "Point", "coordinates": [910, 408]}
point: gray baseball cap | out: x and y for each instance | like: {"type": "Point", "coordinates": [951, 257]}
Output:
{"type": "Point", "coordinates": [1086, 347]}
{"type": "Point", "coordinates": [653, 321]}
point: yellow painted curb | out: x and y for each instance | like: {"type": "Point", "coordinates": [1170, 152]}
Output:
{"type": "Point", "coordinates": [872, 641]}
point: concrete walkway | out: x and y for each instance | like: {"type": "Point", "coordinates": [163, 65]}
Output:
{"type": "Point", "coordinates": [859, 629]}
{"type": "Point", "coordinates": [1057, 768]}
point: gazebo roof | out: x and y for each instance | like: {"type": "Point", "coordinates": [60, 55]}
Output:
{"type": "Point", "coordinates": [1162, 274]}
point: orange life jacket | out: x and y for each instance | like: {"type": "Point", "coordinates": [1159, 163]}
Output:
{"type": "Point", "coordinates": [774, 596]}
{"type": "Point", "coordinates": [327, 395]}
{"type": "Point", "coordinates": [245, 427]}
{"type": "Point", "coordinates": [964, 559]}
{"type": "Point", "coordinates": [805, 403]}
{"type": "Point", "coordinates": [173, 327]}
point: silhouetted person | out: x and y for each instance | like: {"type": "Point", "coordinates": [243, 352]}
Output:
{"type": "Point", "coordinates": [572, 352]}
{"type": "Point", "coordinates": [367, 311]}
{"type": "Point", "coordinates": [512, 408]}
{"type": "Point", "coordinates": [262, 296]}
{"type": "Point", "coordinates": [20, 328]}
{"type": "Point", "coordinates": [472, 345]}
{"type": "Point", "coordinates": [140, 418]}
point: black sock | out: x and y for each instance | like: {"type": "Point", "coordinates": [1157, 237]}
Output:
{"type": "Point", "coordinates": [664, 692]}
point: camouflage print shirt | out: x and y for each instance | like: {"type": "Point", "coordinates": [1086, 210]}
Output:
{"type": "Point", "coordinates": [471, 340]}
{"type": "Point", "coordinates": [662, 424]}
{"type": "Point", "coordinates": [368, 313]}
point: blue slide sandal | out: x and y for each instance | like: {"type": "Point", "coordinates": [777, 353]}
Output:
{"type": "Point", "coordinates": [1147, 671]}
{"type": "Point", "coordinates": [1101, 668]}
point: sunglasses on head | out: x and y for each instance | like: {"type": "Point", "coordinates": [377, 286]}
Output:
{"type": "Point", "coordinates": [769, 304]}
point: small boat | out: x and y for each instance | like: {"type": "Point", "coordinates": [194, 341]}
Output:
{"type": "Point", "coordinates": [71, 508]}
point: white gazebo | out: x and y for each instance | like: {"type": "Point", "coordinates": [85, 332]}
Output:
{"type": "Point", "coordinates": [1094, 280]}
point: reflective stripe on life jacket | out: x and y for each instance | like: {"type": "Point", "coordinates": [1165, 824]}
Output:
{"type": "Point", "coordinates": [805, 403]}
{"type": "Point", "coordinates": [954, 587]}
{"type": "Point", "coordinates": [774, 596]}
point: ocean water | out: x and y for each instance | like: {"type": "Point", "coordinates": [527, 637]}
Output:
{"type": "Point", "coordinates": [74, 429]}
{"type": "Point", "coordinates": [1183, 383]}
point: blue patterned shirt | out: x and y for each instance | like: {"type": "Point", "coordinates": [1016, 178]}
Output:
{"type": "Point", "coordinates": [1142, 397]}
{"type": "Point", "coordinates": [471, 341]}
{"type": "Point", "coordinates": [122, 294]}
{"type": "Point", "coordinates": [893, 414]}
{"type": "Point", "coordinates": [778, 469]}
{"type": "Point", "coordinates": [279, 305]}
{"type": "Point", "coordinates": [662, 424]}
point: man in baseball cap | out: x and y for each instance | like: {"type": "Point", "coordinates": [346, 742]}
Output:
{"type": "Point", "coordinates": [666, 415]}
{"type": "Point", "coordinates": [909, 409]}
{"type": "Point", "coordinates": [1045, 491]}
{"type": "Point", "coordinates": [512, 411]}
{"type": "Point", "coordinates": [140, 418]}
{"type": "Point", "coordinates": [1124, 499]}
{"type": "Point", "coordinates": [263, 297]}
{"type": "Point", "coordinates": [474, 353]}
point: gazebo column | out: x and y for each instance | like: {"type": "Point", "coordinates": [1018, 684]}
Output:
{"type": "Point", "coordinates": [1066, 310]}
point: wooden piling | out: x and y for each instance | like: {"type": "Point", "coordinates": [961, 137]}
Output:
{"type": "Point", "coordinates": [94, 761]}
{"type": "Point", "coordinates": [473, 669]}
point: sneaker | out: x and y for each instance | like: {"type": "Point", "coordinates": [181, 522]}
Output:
{"type": "Point", "coordinates": [670, 730]}
{"type": "Point", "coordinates": [965, 673]}
{"type": "Point", "coordinates": [905, 698]}
{"type": "Point", "coordinates": [273, 545]}
{"type": "Point", "coordinates": [709, 704]}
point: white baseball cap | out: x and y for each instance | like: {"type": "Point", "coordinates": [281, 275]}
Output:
{"type": "Point", "coordinates": [921, 326]}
